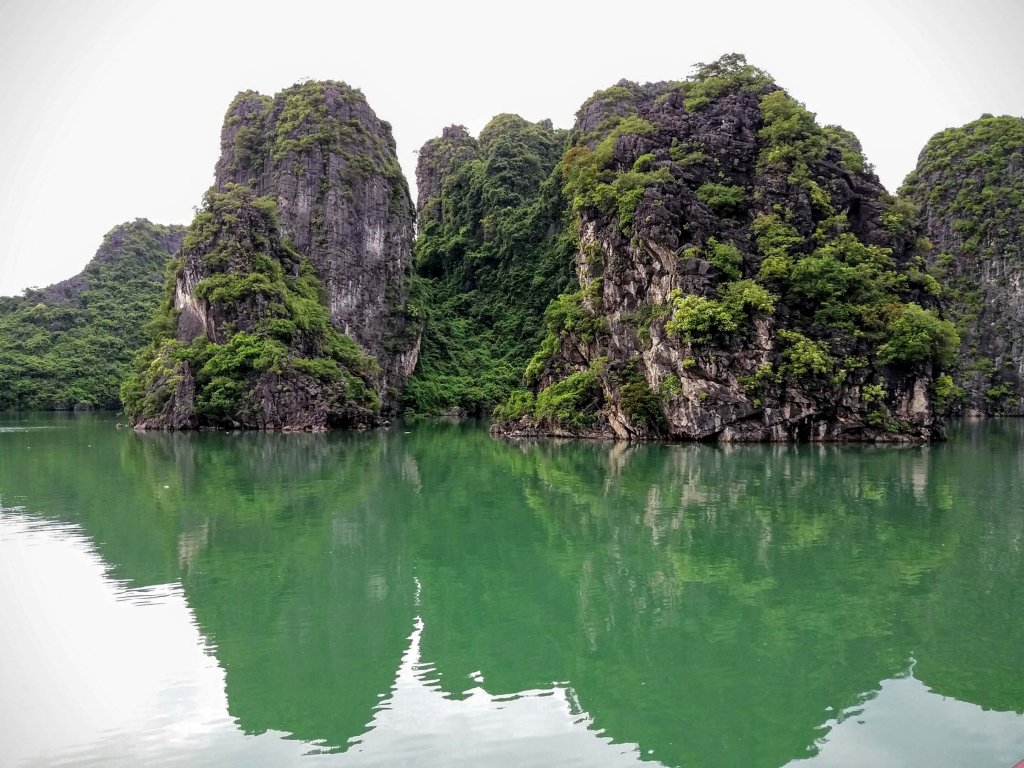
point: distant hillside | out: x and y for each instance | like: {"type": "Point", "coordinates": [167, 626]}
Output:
{"type": "Point", "coordinates": [70, 344]}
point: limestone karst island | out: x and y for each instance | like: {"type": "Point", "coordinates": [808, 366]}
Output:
{"type": "Point", "coordinates": [693, 260]}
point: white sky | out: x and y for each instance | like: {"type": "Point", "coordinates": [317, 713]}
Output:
{"type": "Point", "coordinates": [111, 109]}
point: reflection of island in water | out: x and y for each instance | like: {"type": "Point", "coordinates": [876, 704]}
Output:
{"type": "Point", "coordinates": [713, 606]}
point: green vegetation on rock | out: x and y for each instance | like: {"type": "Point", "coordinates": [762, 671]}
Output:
{"type": "Point", "coordinates": [255, 346]}
{"type": "Point", "coordinates": [969, 189]}
{"type": "Point", "coordinates": [493, 250]}
{"type": "Point", "coordinates": [708, 256]}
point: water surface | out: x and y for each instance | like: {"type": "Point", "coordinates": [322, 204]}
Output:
{"type": "Point", "coordinates": [430, 596]}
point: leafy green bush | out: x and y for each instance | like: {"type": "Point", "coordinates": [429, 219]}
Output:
{"type": "Point", "coordinates": [744, 296]}
{"type": "Point", "coordinates": [699, 320]}
{"type": "Point", "coordinates": [946, 391]}
{"type": "Point", "coordinates": [792, 137]}
{"type": "Point", "coordinates": [850, 150]}
{"type": "Point", "coordinates": [671, 386]}
{"type": "Point", "coordinates": [727, 74]}
{"type": "Point", "coordinates": [803, 357]}
{"type": "Point", "coordinates": [726, 257]}
{"type": "Point", "coordinates": [917, 335]}
{"type": "Point", "coordinates": [570, 403]}
{"type": "Point", "coordinates": [723, 199]}
{"type": "Point", "coordinates": [568, 314]}
{"type": "Point", "coordinates": [520, 403]}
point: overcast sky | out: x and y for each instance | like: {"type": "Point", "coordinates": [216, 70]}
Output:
{"type": "Point", "coordinates": [111, 109]}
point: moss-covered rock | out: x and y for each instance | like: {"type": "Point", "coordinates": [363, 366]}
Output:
{"type": "Point", "coordinates": [969, 188]}
{"type": "Point", "coordinates": [244, 338]}
{"type": "Point", "coordinates": [742, 275]}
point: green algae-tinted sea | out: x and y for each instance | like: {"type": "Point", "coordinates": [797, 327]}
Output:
{"type": "Point", "coordinates": [430, 596]}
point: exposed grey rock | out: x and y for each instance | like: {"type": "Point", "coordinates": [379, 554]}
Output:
{"type": "Point", "coordinates": [320, 151]}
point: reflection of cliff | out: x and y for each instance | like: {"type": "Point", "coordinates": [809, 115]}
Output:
{"type": "Point", "coordinates": [304, 585]}
{"type": "Point", "coordinates": [544, 726]}
{"type": "Point", "coordinates": [710, 604]}
{"type": "Point", "coordinates": [289, 548]}
{"type": "Point", "coordinates": [705, 603]}
{"type": "Point", "coordinates": [970, 617]}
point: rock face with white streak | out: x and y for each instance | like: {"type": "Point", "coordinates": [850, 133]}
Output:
{"type": "Point", "coordinates": [319, 150]}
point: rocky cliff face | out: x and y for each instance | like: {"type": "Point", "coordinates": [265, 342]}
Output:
{"type": "Point", "coordinates": [969, 190]}
{"type": "Point", "coordinates": [742, 276]}
{"type": "Point", "coordinates": [70, 344]}
{"type": "Point", "coordinates": [245, 340]}
{"type": "Point", "coordinates": [329, 162]}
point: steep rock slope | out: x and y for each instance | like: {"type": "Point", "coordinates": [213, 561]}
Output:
{"type": "Point", "coordinates": [70, 344]}
{"type": "Point", "coordinates": [742, 276]}
{"type": "Point", "coordinates": [493, 250]}
{"type": "Point", "coordinates": [329, 162]}
{"type": "Point", "coordinates": [969, 190]}
{"type": "Point", "coordinates": [243, 338]}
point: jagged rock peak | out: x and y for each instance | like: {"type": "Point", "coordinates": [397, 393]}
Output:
{"type": "Point", "coordinates": [968, 187]}
{"type": "Point", "coordinates": [742, 274]}
{"type": "Point", "coordinates": [514, 157]}
{"type": "Point", "coordinates": [320, 151]}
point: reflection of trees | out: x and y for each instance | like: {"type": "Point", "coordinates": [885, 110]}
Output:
{"type": "Point", "coordinates": [706, 602]}
{"type": "Point", "coordinates": [69, 468]}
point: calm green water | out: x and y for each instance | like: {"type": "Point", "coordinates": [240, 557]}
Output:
{"type": "Point", "coordinates": [437, 597]}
